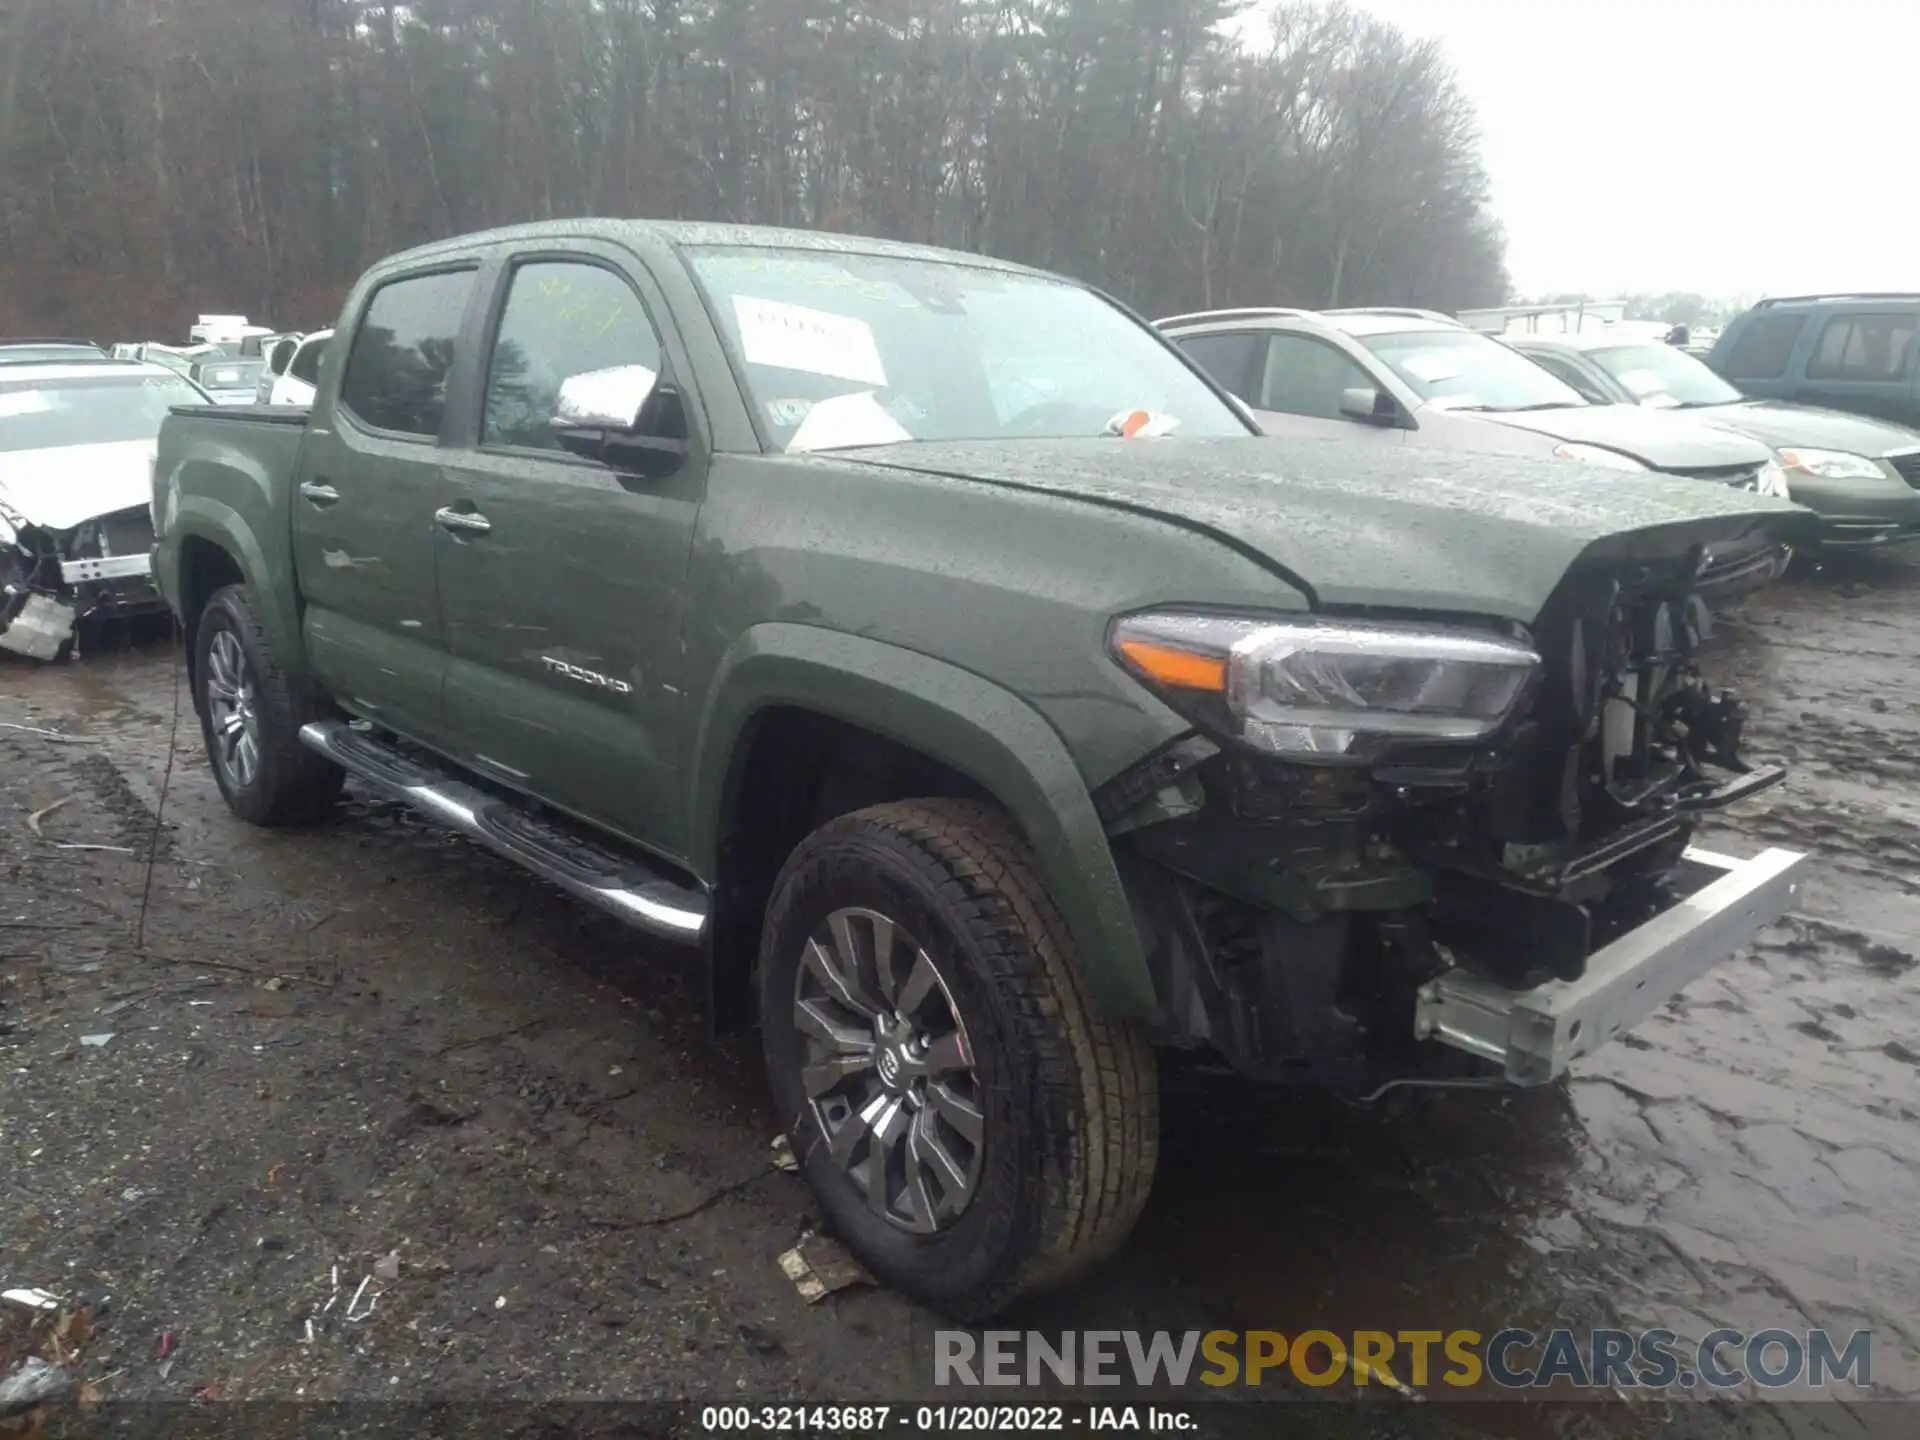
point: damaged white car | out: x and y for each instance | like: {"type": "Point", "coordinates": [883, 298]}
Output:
{"type": "Point", "coordinates": [76, 457]}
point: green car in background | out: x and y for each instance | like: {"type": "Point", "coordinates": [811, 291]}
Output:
{"type": "Point", "coordinates": [1859, 475]}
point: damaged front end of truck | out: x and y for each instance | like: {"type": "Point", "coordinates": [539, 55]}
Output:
{"type": "Point", "coordinates": [52, 580]}
{"type": "Point", "coordinates": [1398, 851]}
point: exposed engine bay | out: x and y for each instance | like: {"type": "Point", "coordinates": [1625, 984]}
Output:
{"type": "Point", "coordinates": [51, 581]}
{"type": "Point", "coordinates": [1291, 911]}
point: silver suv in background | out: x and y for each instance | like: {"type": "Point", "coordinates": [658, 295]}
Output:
{"type": "Point", "coordinates": [1396, 376]}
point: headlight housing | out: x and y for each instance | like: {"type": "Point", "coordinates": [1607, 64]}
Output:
{"type": "Point", "coordinates": [1326, 688]}
{"type": "Point", "coordinates": [1596, 455]}
{"type": "Point", "coordinates": [1832, 464]}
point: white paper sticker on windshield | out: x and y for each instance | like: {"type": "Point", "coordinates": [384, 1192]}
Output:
{"type": "Point", "coordinates": [794, 337]}
{"type": "Point", "coordinates": [847, 420]}
{"type": "Point", "coordinates": [1432, 366]}
{"type": "Point", "coordinates": [23, 402]}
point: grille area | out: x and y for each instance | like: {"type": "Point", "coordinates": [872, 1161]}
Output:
{"type": "Point", "coordinates": [1745, 477]}
{"type": "Point", "coordinates": [1909, 467]}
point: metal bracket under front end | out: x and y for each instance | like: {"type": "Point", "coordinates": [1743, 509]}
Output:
{"type": "Point", "coordinates": [106, 567]}
{"type": "Point", "coordinates": [1536, 1034]}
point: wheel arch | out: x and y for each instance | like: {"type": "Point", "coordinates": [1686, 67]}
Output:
{"type": "Point", "coordinates": [936, 725]}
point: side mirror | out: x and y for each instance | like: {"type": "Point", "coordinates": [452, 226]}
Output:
{"type": "Point", "coordinates": [1374, 407]}
{"type": "Point", "coordinates": [626, 417]}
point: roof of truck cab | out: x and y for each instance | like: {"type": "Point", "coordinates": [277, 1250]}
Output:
{"type": "Point", "coordinates": [680, 233]}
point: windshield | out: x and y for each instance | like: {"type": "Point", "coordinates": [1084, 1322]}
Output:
{"type": "Point", "coordinates": [1459, 370]}
{"type": "Point", "coordinates": [99, 410]}
{"type": "Point", "coordinates": [840, 350]}
{"type": "Point", "coordinates": [1660, 375]}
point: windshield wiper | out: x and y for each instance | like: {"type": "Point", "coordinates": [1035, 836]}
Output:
{"type": "Point", "coordinates": [1523, 409]}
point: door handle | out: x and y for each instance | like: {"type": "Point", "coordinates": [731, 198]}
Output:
{"type": "Point", "coordinates": [462, 521]}
{"type": "Point", "coordinates": [319, 493]}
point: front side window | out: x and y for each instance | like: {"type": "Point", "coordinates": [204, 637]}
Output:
{"type": "Point", "coordinates": [403, 352]}
{"type": "Point", "coordinates": [1305, 376]}
{"type": "Point", "coordinates": [1461, 370]}
{"type": "Point", "coordinates": [562, 318]}
{"type": "Point", "coordinates": [96, 410]}
{"type": "Point", "coordinates": [1863, 347]}
{"type": "Point", "coordinates": [1760, 349]}
{"type": "Point", "coordinates": [1661, 375]}
{"type": "Point", "coordinates": [842, 349]}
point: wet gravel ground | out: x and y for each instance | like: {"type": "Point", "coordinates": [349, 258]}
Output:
{"type": "Point", "coordinates": [333, 1045]}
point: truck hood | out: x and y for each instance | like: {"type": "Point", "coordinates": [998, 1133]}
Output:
{"type": "Point", "coordinates": [1777, 423]}
{"type": "Point", "coordinates": [56, 489]}
{"type": "Point", "coordinates": [1353, 524]}
{"type": "Point", "coordinates": [1659, 438]}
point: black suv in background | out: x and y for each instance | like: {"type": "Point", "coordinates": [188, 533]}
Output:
{"type": "Point", "coordinates": [1847, 352]}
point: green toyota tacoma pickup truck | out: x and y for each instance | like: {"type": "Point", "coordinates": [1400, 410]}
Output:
{"type": "Point", "coordinates": [932, 644]}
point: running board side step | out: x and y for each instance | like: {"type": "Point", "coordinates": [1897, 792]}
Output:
{"type": "Point", "coordinates": [624, 886]}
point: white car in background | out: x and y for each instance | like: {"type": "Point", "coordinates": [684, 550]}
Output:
{"type": "Point", "coordinates": [297, 378]}
{"type": "Point", "coordinates": [76, 489]}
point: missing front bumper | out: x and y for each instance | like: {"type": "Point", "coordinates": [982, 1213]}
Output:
{"type": "Point", "coordinates": [1536, 1034]}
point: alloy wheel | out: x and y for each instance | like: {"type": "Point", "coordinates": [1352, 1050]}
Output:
{"type": "Point", "coordinates": [888, 1069]}
{"type": "Point", "coordinates": [232, 710]}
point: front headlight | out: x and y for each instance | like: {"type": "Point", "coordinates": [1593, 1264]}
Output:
{"type": "Point", "coordinates": [1832, 464]}
{"type": "Point", "coordinates": [1596, 455]}
{"type": "Point", "coordinates": [1327, 687]}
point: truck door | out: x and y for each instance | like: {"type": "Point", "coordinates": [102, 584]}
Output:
{"type": "Point", "coordinates": [363, 529]}
{"type": "Point", "coordinates": [561, 580]}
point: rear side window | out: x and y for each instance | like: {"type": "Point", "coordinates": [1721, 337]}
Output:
{"type": "Point", "coordinates": [562, 318]}
{"type": "Point", "coordinates": [403, 352]}
{"type": "Point", "coordinates": [1229, 359]}
{"type": "Point", "coordinates": [1761, 348]}
{"type": "Point", "coordinates": [306, 363]}
{"type": "Point", "coordinates": [1863, 347]}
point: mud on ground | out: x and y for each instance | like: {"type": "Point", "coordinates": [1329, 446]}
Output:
{"type": "Point", "coordinates": [371, 1039]}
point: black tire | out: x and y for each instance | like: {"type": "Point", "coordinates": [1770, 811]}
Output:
{"type": "Point", "coordinates": [1071, 1100]}
{"type": "Point", "coordinates": [291, 785]}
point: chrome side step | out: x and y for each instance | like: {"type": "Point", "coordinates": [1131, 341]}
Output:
{"type": "Point", "coordinates": [622, 885]}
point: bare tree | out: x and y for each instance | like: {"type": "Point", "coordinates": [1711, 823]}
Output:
{"type": "Point", "coordinates": [162, 157]}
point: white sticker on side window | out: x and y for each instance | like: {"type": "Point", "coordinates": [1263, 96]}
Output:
{"type": "Point", "coordinates": [816, 342]}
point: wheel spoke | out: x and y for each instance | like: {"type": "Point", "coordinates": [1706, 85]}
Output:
{"type": "Point", "coordinates": [810, 1020]}
{"type": "Point", "coordinates": [883, 952]}
{"type": "Point", "coordinates": [962, 1114]}
{"type": "Point", "coordinates": [221, 689]}
{"type": "Point", "coordinates": [921, 982]}
{"type": "Point", "coordinates": [841, 981]}
{"type": "Point", "coordinates": [890, 1130]}
{"type": "Point", "coordinates": [824, 1075]}
{"type": "Point", "coordinates": [248, 757]}
{"type": "Point", "coordinates": [926, 1150]}
{"type": "Point", "coordinates": [948, 1054]}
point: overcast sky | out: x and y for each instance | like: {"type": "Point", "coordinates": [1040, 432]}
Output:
{"type": "Point", "coordinates": [1709, 145]}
